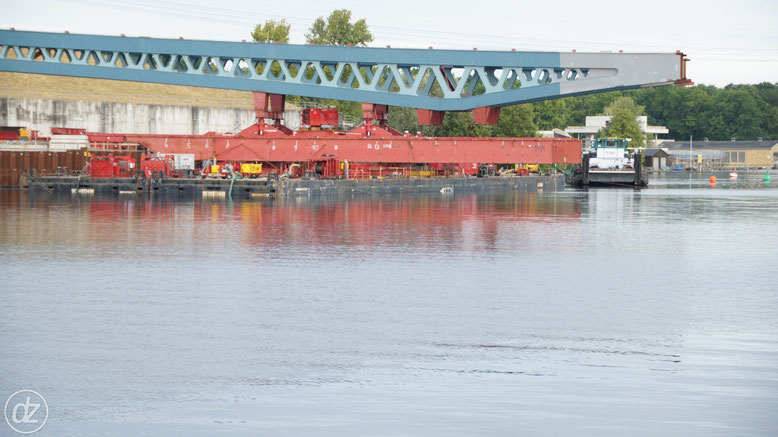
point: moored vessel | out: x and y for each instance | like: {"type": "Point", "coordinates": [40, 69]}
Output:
{"type": "Point", "coordinates": [608, 162]}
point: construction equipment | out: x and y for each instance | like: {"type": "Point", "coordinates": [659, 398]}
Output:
{"type": "Point", "coordinates": [110, 166]}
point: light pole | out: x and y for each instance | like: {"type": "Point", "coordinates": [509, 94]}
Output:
{"type": "Point", "coordinates": [691, 165]}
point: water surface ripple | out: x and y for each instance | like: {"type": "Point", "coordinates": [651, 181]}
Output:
{"type": "Point", "coordinates": [607, 312]}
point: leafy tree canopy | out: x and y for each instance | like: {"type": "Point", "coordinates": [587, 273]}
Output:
{"type": "Point", "coordinates": [514, 121]}
{"type": "Point", "coordinates": [625, 103]}
{"type": "Point", "coordinates": [624, 125]}
{"type": "Point", "coordinates": [338, 30]}
{"type": "Point", "coordinates": [272, 31]}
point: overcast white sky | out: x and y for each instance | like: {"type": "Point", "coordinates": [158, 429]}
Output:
{"type": "Point", "coordinates": [728, 41]}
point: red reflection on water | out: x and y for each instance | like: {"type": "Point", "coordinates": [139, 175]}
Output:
{"type": "Point", "coordinates": [295, 221]}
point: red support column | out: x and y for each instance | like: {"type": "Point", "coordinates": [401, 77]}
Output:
{"type": "Point", "coordinates": [379, 113]}
{"type": "Point", "coordinates": [277, 103]}
{"type": "Point", "coordinates": [261, 105]}
{"type": "Point", "coordinates": [486, 115]}
{"type": "Point", "coordinates": [428, 117]}
{"type": "Point", "coordinates": [269, 106]}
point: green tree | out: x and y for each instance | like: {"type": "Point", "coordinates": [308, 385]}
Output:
{"type": "Point", "coordinates": [338, 30]}
{"type": "Point", "coordinates": [572, 111]}
{"type": "Point", "coordinates": [404, 119]}
{"type": "Point", "coordinates": [624, 125]}
{"type": "Point", "coordinates": [626, 103]}
{"type": "Point", "coordinates": [459, 124]}
{"type": "Point", "coordinates": [272, 31]}
{"type": "Point", "coordinates": [682, 110]}
{"type": "Point", "coordinates": [768, 92]}
{"type": "Point", "coordinates": [516, 121]}
{"type": "Point", "coordinates": [744, 111]}
{"type": "Point", "coordinates": [550, 114]}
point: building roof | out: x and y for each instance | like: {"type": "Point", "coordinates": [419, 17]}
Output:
{"type": "Point", "coordinates": [594, 123]}
{"type": "Point", "coordinates": [720, 145]}
{"type": "Point", "coordinates": [648, 153]}
{"type": "Point", "coordinates": [553, 133]}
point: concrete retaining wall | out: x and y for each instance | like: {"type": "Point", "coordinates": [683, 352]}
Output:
{"type": "Point", "coordinates": [42, 115]}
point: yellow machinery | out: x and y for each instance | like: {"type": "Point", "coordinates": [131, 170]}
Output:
{"type": "Point", "coordinates": [245, 169]}
{"type": "Point", "coordinates": [248, 169]}
{"type": "Point", "coordinates": [532, 168]}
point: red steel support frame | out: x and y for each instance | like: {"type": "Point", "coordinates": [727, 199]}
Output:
{"type": "Point", "coordinates": [379, 113]}
{"type": "Point", "coordinates": [269, 106]}
{"type": "Point", "coordinates": [427, 117]}
{"type": "Point", "coordinates": [369, 143]}
{"type": "Point", "coordinates": [486, 115]}
{"type": "Point", "coordinates": [366, 143]}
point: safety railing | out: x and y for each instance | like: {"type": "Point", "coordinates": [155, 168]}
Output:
{"type": "Point", "coordinates": [379, 172]}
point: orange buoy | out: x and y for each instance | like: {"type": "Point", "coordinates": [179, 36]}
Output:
{"type": "Point", "coordinates": [712, 179]}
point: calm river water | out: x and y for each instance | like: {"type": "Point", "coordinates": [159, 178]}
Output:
{"type": "Point", "coordinates": [607, 312]}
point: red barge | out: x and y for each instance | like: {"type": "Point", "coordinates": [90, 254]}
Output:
{"type": "Point", "coordinates": [317, 151]}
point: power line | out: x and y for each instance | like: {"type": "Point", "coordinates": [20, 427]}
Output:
{"type": "Point", "coordinates": [441, 38]}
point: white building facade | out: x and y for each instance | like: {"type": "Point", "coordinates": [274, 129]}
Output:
{"type": "Point", "coordinates": [595, 123]}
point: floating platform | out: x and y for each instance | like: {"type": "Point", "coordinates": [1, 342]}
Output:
{"type": "Point", "coordinates": [296, 187]}
{"type": "Point", "coordinates": [611, 178]}
{"type": "Point", "coordinates": [241, 188]}
{"type": "Point", "coordinates": [272, 187]}
{"type": "Point", "coordinates": [587, 176]}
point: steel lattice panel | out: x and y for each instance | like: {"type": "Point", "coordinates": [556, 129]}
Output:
{"type": "Point", "coordinates": [443, 80]}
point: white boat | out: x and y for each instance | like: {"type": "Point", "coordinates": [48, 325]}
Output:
{"type": "Point", "coordinates": [608, 162]}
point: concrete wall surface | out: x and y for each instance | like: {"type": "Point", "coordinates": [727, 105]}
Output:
{"type": "Point", "coordinates": [42, 115]}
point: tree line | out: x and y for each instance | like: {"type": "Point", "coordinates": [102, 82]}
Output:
{"type": "Point", "coordinates": [744, 112]}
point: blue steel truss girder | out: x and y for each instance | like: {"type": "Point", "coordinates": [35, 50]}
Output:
{"type": "Point", "coordinates": [444, 80]}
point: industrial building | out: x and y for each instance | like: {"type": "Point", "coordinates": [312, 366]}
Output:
{"type": "Point", "coordinates": [723, 154]}
{"type": "Point", "coordinates": [595, 123]}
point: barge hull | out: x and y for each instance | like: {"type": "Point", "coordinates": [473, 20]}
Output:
{"type": "Point", "coordinates": [253, 188]}
{"type": "Point", "coordinates": [610, 179]}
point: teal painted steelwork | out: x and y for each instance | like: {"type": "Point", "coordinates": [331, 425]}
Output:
{"type": "Point", "coordinates": [444, 80]}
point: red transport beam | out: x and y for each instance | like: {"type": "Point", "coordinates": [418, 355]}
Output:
{"type": "Point", "coordinates": [367, 144]}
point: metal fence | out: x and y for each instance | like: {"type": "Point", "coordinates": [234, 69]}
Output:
{"type": "Point", "coordinates": [148, 99]}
